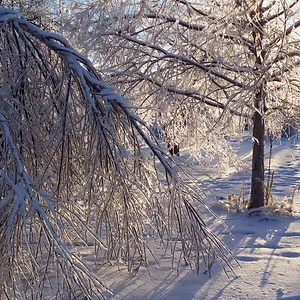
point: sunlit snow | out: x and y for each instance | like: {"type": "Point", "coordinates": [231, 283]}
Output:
{"type": "Point", "coordinates": [266, 247]}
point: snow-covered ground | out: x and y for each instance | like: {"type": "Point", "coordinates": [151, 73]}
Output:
{"type": "Point", "coordinates": [267, 248]}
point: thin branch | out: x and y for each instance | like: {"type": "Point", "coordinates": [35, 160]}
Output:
{"type": "Point", "coordinates": [186, 60]}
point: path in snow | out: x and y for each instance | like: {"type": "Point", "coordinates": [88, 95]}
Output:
{"type": "Point", "coordinates": [267, 248]}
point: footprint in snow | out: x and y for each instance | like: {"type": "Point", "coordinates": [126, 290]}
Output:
{"type": "Point", "coordinates": [246, 258]}
{"type": "Point", "coordinates": [243, 232]}
{"type": "Point", "coordinates": [290, 254]}
{"type": "Point", "coordinates": [292, 234]}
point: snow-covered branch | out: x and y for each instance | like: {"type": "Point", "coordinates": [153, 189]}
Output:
{"type": "Point", "coordinates": [80, 168]}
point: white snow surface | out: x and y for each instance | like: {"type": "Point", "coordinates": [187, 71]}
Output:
{"type": "Point", "coordinates": [267, 248]}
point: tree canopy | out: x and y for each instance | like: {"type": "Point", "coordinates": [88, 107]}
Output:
{"type": "Point", "coordinates": [201, 70]}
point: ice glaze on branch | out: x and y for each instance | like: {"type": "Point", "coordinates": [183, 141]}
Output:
{"type": "Point", "coordinates": [186, 60]}
{"type": "Point", "coordinates": [76, 172]}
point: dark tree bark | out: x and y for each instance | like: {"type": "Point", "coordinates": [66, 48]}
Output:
{"type": "Point", "coordinates": [258, 169]}
{"type": "Point", "coordinates": [257, 181]}
{"type": "Point", "coordinates": [173, 149]}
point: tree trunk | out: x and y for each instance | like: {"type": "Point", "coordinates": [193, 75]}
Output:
{"type": "Point", "coordinates": [173, 149]}
{"type": "Point", "coordinates": [258, 169]}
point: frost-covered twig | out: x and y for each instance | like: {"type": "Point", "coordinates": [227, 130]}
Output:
{"type": "Point", "coordinates": [76, 171]}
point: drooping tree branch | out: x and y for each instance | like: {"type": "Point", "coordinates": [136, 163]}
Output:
{"type": "Point", "coordinates": [74, 173]}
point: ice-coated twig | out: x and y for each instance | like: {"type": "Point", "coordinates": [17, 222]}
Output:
{"type": "Point", "coordinates": [77, 171]}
